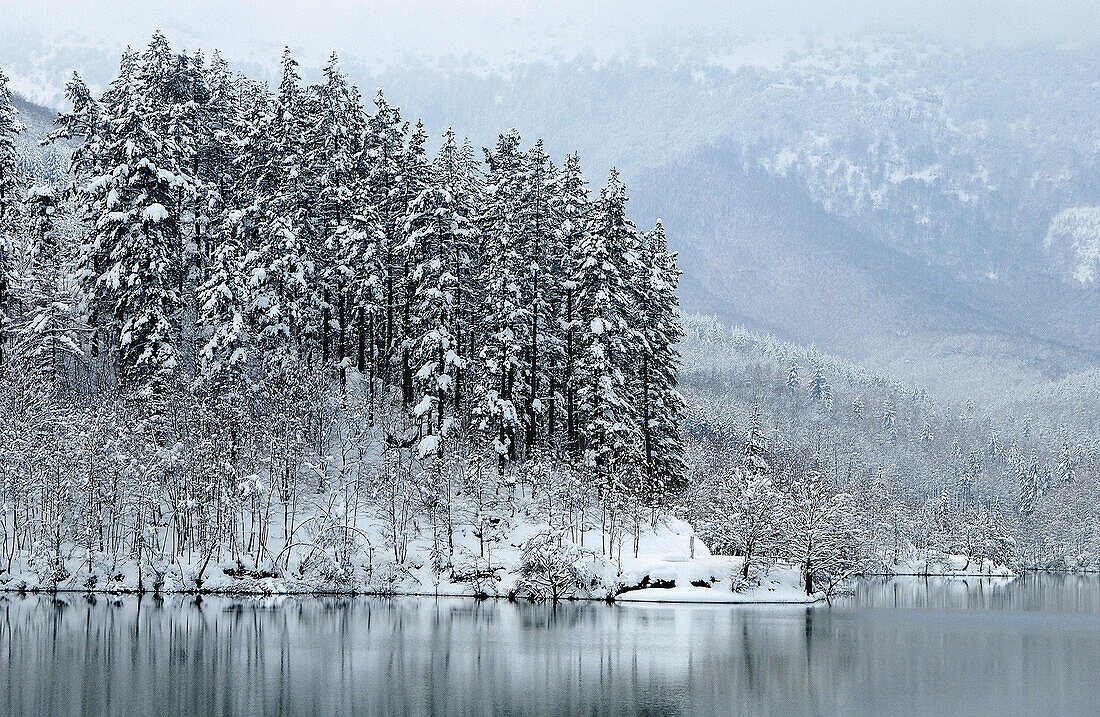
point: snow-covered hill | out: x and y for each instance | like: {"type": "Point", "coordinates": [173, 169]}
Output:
{"type": "Point", "coordinates": [1074, 239]}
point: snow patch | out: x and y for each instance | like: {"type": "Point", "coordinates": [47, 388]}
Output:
{"type": "Point", "coordinates": [1073, 240]}
{"type": "Point", "coordinates": [154, 213]}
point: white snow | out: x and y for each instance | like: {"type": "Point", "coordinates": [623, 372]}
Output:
{"type": "Point", "coordinates": [154, 213]}
{"type": "Point", "coordinates": [950, 565]}
{"type": "Point", "coordinates": [429, 446]}
{"type": "Point", "coordinates": [424, 406]}
{"type": "Point", "coordinates": [40, 190]}
{"type": "Point", "coordinates": [1074, 238]}
{"type": "Point", "coordinates": [704, 578]}
{"type": "Point", "coordinates": [665, 553]}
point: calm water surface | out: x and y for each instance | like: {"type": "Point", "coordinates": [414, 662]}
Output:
{"type": "Point", "coordinates": [901, 646]}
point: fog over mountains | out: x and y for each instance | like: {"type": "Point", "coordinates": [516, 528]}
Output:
{"type": "Point", "coordinates": [921, 205]}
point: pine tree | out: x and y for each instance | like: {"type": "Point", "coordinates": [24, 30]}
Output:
{"type": "Point", "coordinates": [279, 225]}
{"type": "Point", "coordinates": [928, 435]}
{"type": "Point", "coordinates": [223, 301]}
{"type": "Point", "coordinates": [385, 147]}
{"type": "Point", "coordinates": [575, 214]}
{"type": "Point", "coordinates": [659, 405]}
{"type": "Point", "coordinates": [793, 378]}
{"type": "Point", "coordinates": [457, 171]}
{"type": "Point", "coordinates": [819, 386]}
{"type": "Point", "coordinates": [85, 126]}
{"type": "Point", "coordinates": [50, 330]}
{"type": "Point", "coordinates": [1069, 461]}
{"type": "Point", "coordinates": [994, 449]}
{"type": "Point", "coordinates": [435, 232]}
{"type": "Point", "coordinates": [415, 172]}
{"type": "Point", "coordinates": [1027, 472]}
{"type": "Point", "coordinates": [224, 294]}
{"type": "Point", "coordinates": [10, 184]}
{"type": "Point", "coordinates": [608, 418]}
{"type": "Point", "coordinates": [536, 235]}
{"type": "Point", "coordinates": [756, 444]}
{"type": "Point", "coordinates": [219, 141]}
{"type": "Point", "coordinates": [185, 96]}
{"type": "Point", "coordinates": [131, 265]}
{"type": "Point", "coordinates": [505, 317]}
{"type": "Point", "coordinates": [334, 154]}
{"type": "Point", "coordinates": [890, 421]}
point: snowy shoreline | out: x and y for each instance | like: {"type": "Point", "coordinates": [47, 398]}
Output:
{"type": "Point", "coordinates": [772, 591]}
{"type": "Point", "coordinates": [683, 596]}
{"type": "Point", "coordinates": [673, 565]}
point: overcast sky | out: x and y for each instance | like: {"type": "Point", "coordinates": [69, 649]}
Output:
{"type": "Point", "coordinates": [498, 30]}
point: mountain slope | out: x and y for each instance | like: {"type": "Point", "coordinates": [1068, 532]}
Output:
{"type": "Point", "coordinates": [759, 251]}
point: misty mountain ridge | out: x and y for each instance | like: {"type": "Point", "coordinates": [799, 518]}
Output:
{"type": "Point", "coordinates": [922, 208]}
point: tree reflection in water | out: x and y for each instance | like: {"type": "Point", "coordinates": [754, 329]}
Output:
{"type": "Point", "coordinates": [896, 645]}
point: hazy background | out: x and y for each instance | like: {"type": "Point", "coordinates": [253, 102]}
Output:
{"type": "Point", "coordinates": [911, 188]}
{"type": "Point", "coordinates": [40, 36]}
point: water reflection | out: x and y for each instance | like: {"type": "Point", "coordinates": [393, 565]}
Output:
{"type": "Point", "coordinates": [1048, 592]}
{"type": "Point", "coordinates": [896, 646]}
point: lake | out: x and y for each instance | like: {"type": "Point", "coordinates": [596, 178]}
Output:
{"type": "Point", "coordinates": [896, 646]}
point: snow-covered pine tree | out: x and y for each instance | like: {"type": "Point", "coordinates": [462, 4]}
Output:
{"type": "Point", "coordinates": [608, 418]}
{"type": "Point", "coordinates": [457, 171]}
{"type": "Point", "coordinates": [536, 234]}
{"type": "Point", "coordinates": [50, 331]}
{"type": "Point", "coordinates": [435, 233]}
{"type": "Point", "coordinates": [819, 385]}
{"type": "Point", "coordinates": [234, 163]}
{"type": "Point", "coordinates": [334, 154]}
{"type": "Point", "coordinates": [186, 99]}
{"type": "Point", "coordinates": [10, 186]}
{"type": "Point", "coordinates": [659, 405]}
{"type": "Point", "coordinates": [385, 149]}
{"type": "Point", "coordinates": [413, 179]}
{"type": "Point", "coordinates": [1069, 461]}
{"type": "Point", "coordinates": [504, 318]}
{"type": "Point", "coordinates": [131, 264]}
{"type": "Point", "coordinates": [575, 213]}
{"type": "Point", "coordinates": [890, 420]}
{"type": "Point", "coordinates": [84, 126]}
{"type": "Point", "coordinates": [223, 300]}
{"type": "Point", "coordinates": [456, 168]}
{"type": "Point", "coordinates": [279, 223]}
{"type": "Point", "coordinates": [1029, 479]}
{"type": "Point", "coordinates": [219, 139]}
{"type": "Point", "coordinates": [792, 378]}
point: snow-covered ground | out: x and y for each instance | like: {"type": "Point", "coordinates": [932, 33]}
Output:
{"type": "Point", "coordinates": [950, 566]}
{"type": "Point", "coordinates": [672, 565]}
{"type": "Point", "coordinates": [712, 580]}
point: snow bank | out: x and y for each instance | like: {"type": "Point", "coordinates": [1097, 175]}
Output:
{"type": "Point", "coordinates": [950, 565]}
{"type": "Point", "coordinates": [715, 580]}
{"type": "Point", "coordinates": [154, 213]}
{"type": "Point", "coordinates": [673, 565]}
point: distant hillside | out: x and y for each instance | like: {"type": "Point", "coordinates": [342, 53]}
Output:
{"type": "Point", "coordinates": [760, 252]}
{"type": "Point", "coordinates": [853, 422]}
{"type": "Point", "coordinates": [47, 163]}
